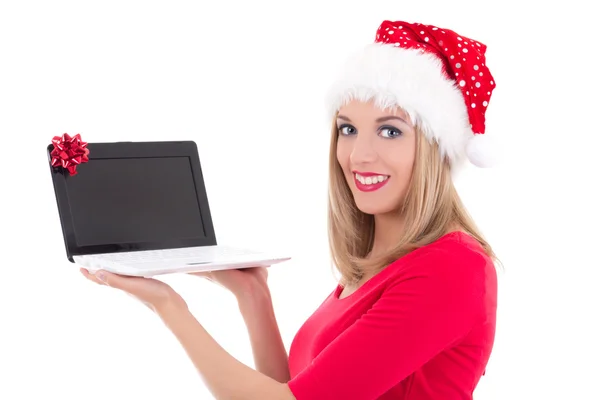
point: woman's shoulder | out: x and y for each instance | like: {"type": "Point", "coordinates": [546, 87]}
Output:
{"type": "Point", "coordinates": [456, 255]}
{"type": "Point", "coordinates": [453, 269]}
{"type": "Point", "coordinates": [458, 244]}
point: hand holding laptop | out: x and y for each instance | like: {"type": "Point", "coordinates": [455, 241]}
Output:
{"type": "Point", "coordinates": [156, 294]}
{"type": "Point", "coordinates": [240, 282]}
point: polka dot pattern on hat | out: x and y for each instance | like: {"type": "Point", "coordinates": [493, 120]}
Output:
{"type": "Point", "coordinates": [463, 59]}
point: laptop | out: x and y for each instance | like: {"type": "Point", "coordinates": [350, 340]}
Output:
{"type": "Point", "coordinates": [141, 209]}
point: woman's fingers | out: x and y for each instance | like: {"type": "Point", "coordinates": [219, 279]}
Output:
{"type": "Point", "coordinates": [108, 279]}
{"type": "Point", "coordinates": [204, 274]}
{"type": "Point", "coordinates": [91, 276]}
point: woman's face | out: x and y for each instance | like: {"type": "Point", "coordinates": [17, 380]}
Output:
{"type": "Point", "coordinates": [376, 150]}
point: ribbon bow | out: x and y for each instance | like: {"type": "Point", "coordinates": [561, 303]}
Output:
{"type": "Point", "coordinates": [69, 152]}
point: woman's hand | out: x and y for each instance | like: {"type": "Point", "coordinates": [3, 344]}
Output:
{"type": "Point", "coordinates": [154, 294]}
{"type": "Point", "coordinates": [241, 282]}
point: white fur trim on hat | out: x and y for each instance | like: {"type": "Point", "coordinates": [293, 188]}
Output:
{"type": "Point", "coordinates": [391, 76]}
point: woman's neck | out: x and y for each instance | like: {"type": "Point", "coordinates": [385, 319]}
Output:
{"type": "Point", "coordinates": [388, 231]}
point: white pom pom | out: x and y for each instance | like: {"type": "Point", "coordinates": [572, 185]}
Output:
{"type": "Point", "coordinates": [482, 151]}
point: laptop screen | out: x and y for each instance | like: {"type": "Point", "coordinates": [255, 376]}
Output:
{"type": "Point", "coordinates": [133, 200]}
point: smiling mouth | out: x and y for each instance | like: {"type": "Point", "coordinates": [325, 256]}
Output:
{"type": "Point", "coordinates": [371, 182]}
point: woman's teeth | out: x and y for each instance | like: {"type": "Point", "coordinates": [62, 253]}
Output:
{"type": "Point", "coordinates": [370, 180]}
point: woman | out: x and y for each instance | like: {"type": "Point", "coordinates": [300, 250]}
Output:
{"type": "Point", "coordinates": [414, 314]}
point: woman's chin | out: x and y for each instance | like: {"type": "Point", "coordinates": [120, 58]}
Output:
{"type": "Point", "coordinates": [373, 207]}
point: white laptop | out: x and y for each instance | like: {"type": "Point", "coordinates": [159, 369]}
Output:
{"type": "Point", "coordinates": [141, 209]}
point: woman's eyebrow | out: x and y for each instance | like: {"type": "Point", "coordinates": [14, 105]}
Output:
{"type": "Point", "coordinates": [378, 120]}
{"type": "Point", "coordinates": [388, 117]}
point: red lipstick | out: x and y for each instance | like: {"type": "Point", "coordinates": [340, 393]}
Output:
{"type": "Point", "coordinates": [369, 181]}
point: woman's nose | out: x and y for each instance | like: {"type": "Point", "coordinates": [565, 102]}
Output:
{"type": "Point", "coordinates": [363, 150]}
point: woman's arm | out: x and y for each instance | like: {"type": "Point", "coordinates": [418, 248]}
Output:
{"type": "Point", "coordinates": [226, 377]}
{"type": "Point", "coordinates": [270, 356]}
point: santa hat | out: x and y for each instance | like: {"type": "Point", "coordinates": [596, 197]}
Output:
{"type": "Point", "coordinates": [438, 77]}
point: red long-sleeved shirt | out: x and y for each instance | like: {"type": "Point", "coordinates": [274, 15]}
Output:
{"type": "Point", "coordinates": [423, 328]}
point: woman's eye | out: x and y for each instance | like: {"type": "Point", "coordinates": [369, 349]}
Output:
{"type": "Point", "coordinates": [347, 130]}
{"type": "Point", "coordinates": [389, 132]}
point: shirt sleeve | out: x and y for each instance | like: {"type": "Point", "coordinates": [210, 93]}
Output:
{"type": "Point", "coordinates": [420, 314]}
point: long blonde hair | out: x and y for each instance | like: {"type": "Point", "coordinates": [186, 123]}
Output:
{"type": "Point", "coordinates": [431, 208]}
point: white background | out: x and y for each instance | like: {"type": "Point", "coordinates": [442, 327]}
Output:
{"type": "Point", "coordinates": [246, 81]}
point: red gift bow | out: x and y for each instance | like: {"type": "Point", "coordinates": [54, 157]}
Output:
{"type": "Point", "coordinates": [69, 152]}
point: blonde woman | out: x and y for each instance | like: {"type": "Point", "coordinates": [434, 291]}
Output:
{"type": "Point", "coordinates": [414, 314]}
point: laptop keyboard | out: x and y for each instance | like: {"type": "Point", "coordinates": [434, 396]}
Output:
{"type": "Point", "coordinates": [212, 253]}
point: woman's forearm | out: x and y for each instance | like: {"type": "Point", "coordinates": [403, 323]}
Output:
{"type": "Point", "coordinates": [226, 377]}
{"type": "Point", "coordinates": [270, 355]}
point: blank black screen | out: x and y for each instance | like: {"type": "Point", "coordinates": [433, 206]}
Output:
{"type": "Point", "coordinates": [133, 200]}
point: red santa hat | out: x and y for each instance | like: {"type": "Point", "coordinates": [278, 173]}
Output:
{"type": "Point", "coordinates": [440, 78]}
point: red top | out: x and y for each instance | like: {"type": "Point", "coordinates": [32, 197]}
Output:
{"type": "Point", "coordinates": [423, 328]}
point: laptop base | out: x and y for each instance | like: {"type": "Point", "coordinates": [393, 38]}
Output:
{"type": "Point", "coordinates": [169, 261]}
